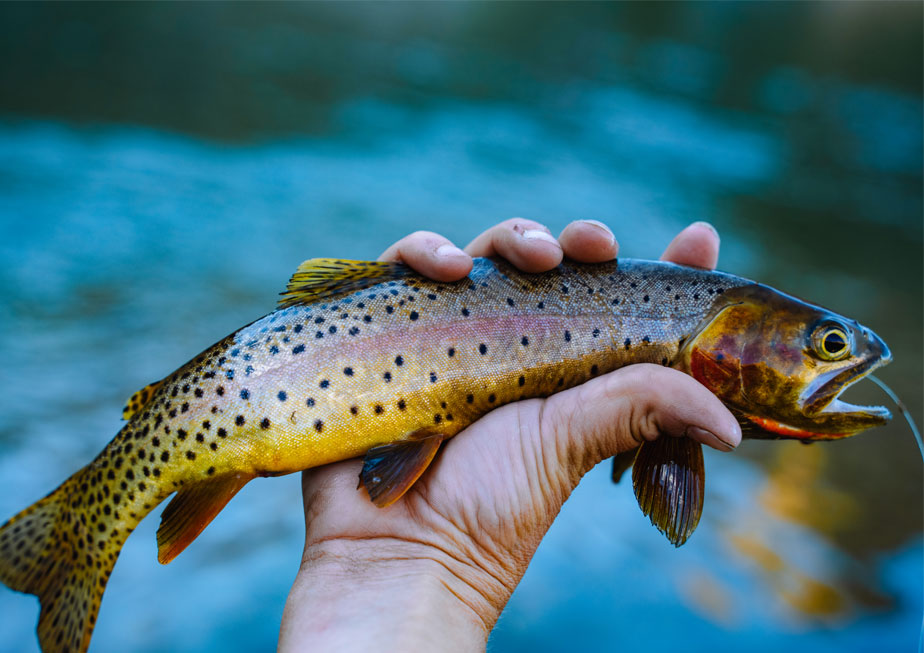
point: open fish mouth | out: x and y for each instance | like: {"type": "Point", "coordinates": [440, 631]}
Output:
{"type": "Point", "coordinates": [824, 405]}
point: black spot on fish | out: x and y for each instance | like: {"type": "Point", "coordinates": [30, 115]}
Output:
{"type": "Point", "coordinates": [297, 328]}
{"type": "Point", "coordinates": [198, 392]}
{"type": "Point", "coordinates": [354, 410]}
{"type": "Point", "coordinates": [229, 374]}
{"type": "Point", "coordinates": [491, 398]}
{"type": "Point", "coordinates": [200, 437]}
{"type": "Point", "coordinates": [191, 455]}
{"type": "Point", "coordinates": [282, 396]}
{"type": "Point", "coordinates": [663, 361]}
{"type": "Point", "coordinates": [274, 350]}
{"type": "Point", "coordinates": [432, 377]}
{"type": "Point", "coordinates": [239, 420]}
{"type": "Point", "coordinates": [401, 404]}
{"type": "Point", "coordinates": [324, 383]}
{"type": "Point", "coordinates": [222, 433]}
{"type": "Point", "coordinates": [470, 398]}
{"type": "Point", "coordinates": [309, 402]}
{"type": "Point", "coordinates": [387, 377]}
{"type": "Point", "coordinates": [206, 425]}
{"type": "Point", "coordinates": [181, 434]}
{"type": "Point", "coordinates": [265, 423]}
{"type": "Point", "coordinates": [696, 295]}
{"type": "Point", "coordinates": [567, 336]}
{"type": "Point", "coordinates": [627, 343]}
{"type": "Point", "coordinates": [413, 315]}
{"type": "Point", "coordinates": [451, 352]}
{"type": "Point", "coordinates": [522, 381]}
{"type": "Point", "coordinates": [389, 309]}
{"type": "Point", "coordinates": [378, 409]}
{"type": "Point", "coordinates": [353, 331]}
{"type": "Point", "coordinates": [431, 296]}
{"type": "Point", "coordinates": [399, 361]}
{"type": "Point", "coordinates": [482, 349]}
{"type": "Point", "coordinates": [437, 418]}
{"type": "Point", "coordinates": [155, 442]}
{"type": "Point", "coordinates": [594, 369]}
{"type": "Point", "coordinates": [318, 426]}
{"type": "Point", "coordinates": [318, 335]}
{"type": "Point", "coordinates": [465, 312]}
{"type": "Point", "coordinates": [510, 301]}
{"type": "Point", "coordinates": [319, 320]}
{"type": "Point", "coordinates": [524, 341]}
{"type": "Point", "coordinates": [367, 318]}
{"type": "Point", "coordinates": [540, 305]}
{"type": "Point", "coordinates": [596, 332]}
{"type": "Point", "coordinates": [645, 298]}
{"type": "Point", "coordinates": [245, 394]}
{"type": "Point", "coordinates": [210, 471]}
{"type": "Point", "coordinates": [646, 340]}
{"type": "Point", "coordinates": [332, 329]}
{"type": "Point", "coordinates": [184, 407]}
{"type": "Point", "coordinates": [348, 371]}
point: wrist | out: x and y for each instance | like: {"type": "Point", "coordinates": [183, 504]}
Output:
{"type": "Point", "coordinates": [389, 594]}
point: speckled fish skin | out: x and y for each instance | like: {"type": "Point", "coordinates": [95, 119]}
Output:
{"type": "Point", "coordinates": [320, 382]}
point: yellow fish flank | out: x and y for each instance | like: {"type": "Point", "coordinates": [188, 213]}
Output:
{"type": "Point", "coordinates": [369, 359]}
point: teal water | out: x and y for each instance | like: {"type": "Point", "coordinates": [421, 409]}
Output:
{"type": "Point", "coordinates": [131, 239]}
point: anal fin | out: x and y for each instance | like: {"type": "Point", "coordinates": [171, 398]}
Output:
{"type": "Point", "coordinates": [391, 469]}
{"type": "Point", "coordinates": [669, 483]}
{"type": "Point", "coordinates": [192, 509]}
{"type": "Point", "coordinates": [139, 400]}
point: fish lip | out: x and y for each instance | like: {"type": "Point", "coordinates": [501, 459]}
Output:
{"type": "Point", "coordinates": [825, 400]}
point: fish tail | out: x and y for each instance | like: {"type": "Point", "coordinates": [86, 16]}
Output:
{"type": "Point", "coordinates": [62, 549]}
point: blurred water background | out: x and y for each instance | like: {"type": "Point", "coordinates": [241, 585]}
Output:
{"type": "Point", "coordinates": [165, 167]}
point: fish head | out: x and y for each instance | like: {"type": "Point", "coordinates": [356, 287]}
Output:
{"type": "Point", "coordinates": [781, 364]}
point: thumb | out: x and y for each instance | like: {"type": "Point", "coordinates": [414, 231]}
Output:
{"type": "Point", "coordinates": [621, 410]}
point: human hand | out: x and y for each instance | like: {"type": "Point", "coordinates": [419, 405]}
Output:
{"type": "Point", "coordinates": [434, 570]}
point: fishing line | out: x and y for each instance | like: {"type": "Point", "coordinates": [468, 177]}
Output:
{"type": "Point", "coordinates": [903, 409]}
{"type": "Point", "coordinates": [917, 436]}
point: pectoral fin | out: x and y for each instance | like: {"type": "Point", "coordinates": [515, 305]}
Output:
{"type": "Point", "coordinates": [669, 482]}
{"type": "Point", "coordinates": [391, 469]}
{"type": "Point", "coordinates": [622, 462]}
{"type": "Point", "coordinates": [192, 509]}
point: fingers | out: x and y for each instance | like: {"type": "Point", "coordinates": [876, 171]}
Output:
{"type": "Point", "coordinates": [697, 245]}
{"type": "Point", "coordinates": [639, 403]}
{"type": "Point", "coordinates": [588, 241]}
{"type": "Point", "coordinates": [526, 244]}
{"type": "Point", "coordinates": [431, 255]}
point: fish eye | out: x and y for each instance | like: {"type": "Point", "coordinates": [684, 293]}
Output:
{"type": "Point", "coordinates": [831, 342]}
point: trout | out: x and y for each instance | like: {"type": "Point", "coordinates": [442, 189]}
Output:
{"type": "Point", "coordinates": [371, 359]}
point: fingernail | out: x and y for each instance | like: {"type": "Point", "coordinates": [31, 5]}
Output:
{"type": "Point", "coordinates": [702, 434]}
{"type": "Point", "coordinates": [707, 225]}
{"type": "Point", "coordinates": [601, 226]}
{"type": "Point", "coordinates": [448, 250]}
{"type": "Point", "coordinates": [538, 234]}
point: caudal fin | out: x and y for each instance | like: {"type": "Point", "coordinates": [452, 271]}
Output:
{"type": "Point", "coordinates": [62, 549]}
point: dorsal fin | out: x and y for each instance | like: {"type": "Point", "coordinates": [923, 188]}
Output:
{"type": "Point", "coordinates": [139, 400]}
{"type": "Point", "coordinates": [324, 278]}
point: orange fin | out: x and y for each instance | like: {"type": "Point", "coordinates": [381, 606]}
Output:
{"type": "Point", "coordinates": [139, 400]}
{"type": "Point", "coordinates": [44, 551]}
{"type": "Point", "coordinates": [622, 463]}
{"type": "Point", "coordinates": [391, 469]}
{"type": "Point", "coordinates": [192, 509]}
{"type": "Point", "coordinates": [669, 481]}
{"type": "Point", "coordinates": [324, 278]}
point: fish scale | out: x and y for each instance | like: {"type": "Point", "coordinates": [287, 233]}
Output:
{"type": "Point", "coordinates": [360, 358]}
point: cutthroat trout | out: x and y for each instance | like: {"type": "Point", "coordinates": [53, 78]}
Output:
{"type": "Point", "coordinates": [371, 359]}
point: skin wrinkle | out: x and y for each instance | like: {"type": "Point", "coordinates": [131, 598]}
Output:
{"type": "Point", "coordinates": [358, 564]}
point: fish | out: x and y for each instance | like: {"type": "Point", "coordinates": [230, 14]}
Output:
{"type": "Point", "coordinates": [371, 359]}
